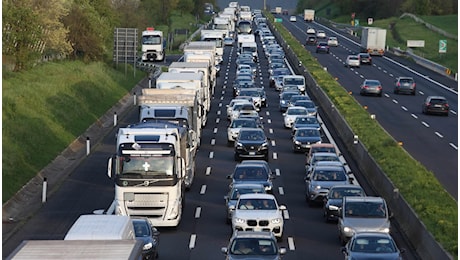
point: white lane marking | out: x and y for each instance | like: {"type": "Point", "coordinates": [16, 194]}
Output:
{"type": "Point", "coordinates": [404, 108]}
{"type": "Point", "coordinates": [213, 141]}
{"type": "Point", "coordinates": [218, 112]}
{"type": "Point", "coordinates": [395, 101]}
{"type": "Point", "coordinates": [208, 170]}
{"type": "Point", "coordinates": [211, 155]}
{"type": "Point", "coordinates": [291, 243]}
{"type": "Point", "coordinates": [217, 120]}
{"type": "Point", "coordinates": [281, 190]}
{"type": "Point", "coordinates": [191, 245]}
{"type": "Point", "coordinates": [269, 121]}
{"type": "Point", "coordinates": [275, 156]}
{"type": "Point", "coordinates": [438, 134]}
{"type": "Point", "coordinates": [286, 214]}
{"type": "Point", "coordinates": [273, 143]}
{"type": "Point", "coordinates": [197, 212]}
{"type": "Point", "coordinates": [215, 130]}
{"type": "Point", "coordinates": [203, 189]}
{"type": "Point", "coordinates": [425, 124]}
{"type": "Point", "coordinates": [270, 131]}
{"type": "Point", "coordinates": [277, 172]}
{"type": "Point", "coordinates": [414, 116]}
{"type": "Point", "coordinates": [453, 146]}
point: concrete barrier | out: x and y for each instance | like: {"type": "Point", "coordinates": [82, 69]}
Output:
{"type": "Point", "coordinates": [422, 241]}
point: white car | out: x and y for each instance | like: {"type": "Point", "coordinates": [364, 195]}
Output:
{"type": "Point", "coordinates": [233, 102]}
{"type": "Point", "coordinates": [352, 61]}
{"type": "Point", "coordinates": [235, 126]}
{"type": "Point", "coordinates": [310, 30]}
{"type": "Point", "coordinates": [258, 212]}
{"type": "Point", "coordinates": [321, 34]}
{"type": "Point", "coordinates": [292, 113]}
{"type": "Point", "coordinates": [293, 18]}
{"type": "Point", "coordinates": [332, 41]}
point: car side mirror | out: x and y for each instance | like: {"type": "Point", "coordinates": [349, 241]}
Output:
{"type": "Point", "coordinates": [155, 232]}
{"type": "Point", "coordinates": [282, 250]}
{"type": "Point", "coordinates": [344, 250]}
{"type": "Point", "coordinates": [223, 250]}
{"type": "Point", "coordinates": [229, 176]}
{"type": "Point", "coordinates": [225, 197]}
{"type": "Point", "coordinates": [282, 207]}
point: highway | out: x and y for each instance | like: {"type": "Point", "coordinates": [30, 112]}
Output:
{"type": "Point", "coordinates": [432, 140]}
{"type": "Point", "coordinates": [203, 229]}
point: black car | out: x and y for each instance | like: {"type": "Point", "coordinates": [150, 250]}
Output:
{"type": "Point", "coordinates": [311, 40]}
{"type": "Point", "coordinates": [304, 137]}
{"type": "Point", "coordinates": [253, 171]}
{"type": "Point", "coordinates": [277, 72]}
{"type": "Point", "coordinates": [333, 200]}
{"type": "Point", "coordinates": [405, 85]}
{"type": "Point", "coordinates": [365, 58]}
{"type": "Point", "coordinates": [435, 105]}
{"type": "Point", "coordinates": [322, 47]}
{"type": "Point", "coordinates": [145, 232]}
{"type": "Point", "coordinates": [251, 143]}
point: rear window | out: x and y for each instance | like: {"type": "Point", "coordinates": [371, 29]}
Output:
{"type": "Point", "coordinates": [406, 80]}
{"type": "Point", "coordinates": [438, 101]}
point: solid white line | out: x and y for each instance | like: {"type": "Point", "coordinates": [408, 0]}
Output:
{"type": "Point", "coordinates": [291, 243]}
{"type": "Point", "coordinates": [197, 212]}
{"type": "Point", "coordinates": [191, 245]}
{"type": "Point", "coordinates": [203, 189]}
{"type": "Point", "coordinates": [208, 170]}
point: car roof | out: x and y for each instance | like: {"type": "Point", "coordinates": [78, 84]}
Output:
{"type": "Point", "coordinates": [257, 196]}
{"type": "Point", "coordinates": [364, 199]}
{"type": "Point", "coordinates": [328, 167]}
{"type": "Point", "coordinates": [346, 186]}
{"type": "Point", "coordinates": [325, 154]}
{"type": "Point", "coordinates": [251, 129]}
{"type": "Point", "coordinates": [240, 185]}
{"type": "Point", "coordinates": [323, 144]}
{"type": "Point", "coordinates": [373, 234]}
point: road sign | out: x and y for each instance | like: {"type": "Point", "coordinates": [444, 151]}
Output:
{"type": "Point", "coordinates": [442, 46]}
{"type": "Point", "coordinates": [278, 20]}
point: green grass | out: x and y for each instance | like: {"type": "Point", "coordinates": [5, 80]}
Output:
{"type": "Point", "coordinates": [46, 108]}
{"type": "Point", "coordinates": [448, 23]}
{"type": "Point", "coordinates": [434, 206]}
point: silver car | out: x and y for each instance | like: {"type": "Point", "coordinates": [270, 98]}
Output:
{"type": "Point", "coordinates": [235, 127]}
{"type": "Point", "coordinates": [362, 214]}
{"type": "Point", "coordinates": [253, 245]}
{"type": "Point", "coordinates": [236, 191]}
{"type": "Point", "coordinates": [258, 212]}
{"type": "Point", "coordinates": [372, 245]}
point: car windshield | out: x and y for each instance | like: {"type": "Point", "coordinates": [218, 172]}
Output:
{"type": "Point", "coordinates": [250, 173]}
{"type": "Point", "coordinates": [303, 103]}
{"type": "Point", "coordinates": [243, 123]}
{"type": "Point", "coordinates": [252, 136]}
{"type": "Point", "coordinates": [297, 111]}
{"type": "Point", "coordinates": [372, 83]}
{"type": "Point", "coordinates": [438, 101]}
{"type": "Point", "coordinates": [321, 175]}
{"type": "Point", "coordinates": [294, 81]}
{"type": "Point", "coordinates": [147, 165]}
{"type": "Point", "coordinates": [257, 204]}
{"type": "Point", "coordinates": [338, 193]}
{"type": "Point", "coordinates": [307, 132]}
{"type": "Point", "coordinates": [373, 245]}
{"type": "Point", "coordinates": [326, 158]}
{"type": "Point", "coordinates": [365, 209]}
{"type": "Point", "coordinates": [141, 228]}
{"type": "Point", "coordinates": [240, 191]}
{"type": "Point", "coordinates": [253, 246]}
{"type": "Point", "coordinates": [306, 120]}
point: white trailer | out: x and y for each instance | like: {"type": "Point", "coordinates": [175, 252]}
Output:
{"type": "Point", "coordinates": [200, 47]}
{"type": "Point", "coordinates": [78, 249]}
{"type": "Point", "coordinates": [309, 15]}
{"type": "Point", "coordinates": [216, 36]}
{"type": "Point", "coordinates": [245, 38]}
{"type": "Point", "coordinates": [148, 172]}
{"type": "Point", "coordinates": [152, 45]}
{"type": "Point", "coordinates": [101, 227]}
{"type": "Point", "coordinates": [373, 40]}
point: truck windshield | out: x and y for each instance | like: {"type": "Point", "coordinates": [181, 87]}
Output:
{"type": "Point", "coordinates": [151, 39]}
{"type": "Point", "coordinates": [146, 165]}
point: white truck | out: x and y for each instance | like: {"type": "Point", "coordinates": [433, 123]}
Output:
{"type": "Point", "coordinates": [242, 38]}
{"type": "Point", "coordinates": [222, 23]}
{"type": "Point", "coordinates": [197, 67]}
{"type": "Point", "coordinates": [231, 19]}
{"type": "Point", "coordinates": [216, 36]}
{"type": "Point", "coordinates": [78, 249]}
{"type": "Point", "coordinates": [152, 45]}
{"type": "Point", "coordinates": [278, 10]}
{"type": "Point", "coordinates": [246, 15]}
{"type": "Point", "coordinates": [101, 227]}
{"type": "Point", "coordinates": [250, 47]}
{"type": "Point", "coordinates": [297, 80]}
{"type": "Point", "coordinates": [309, 15]}
{"type": "Point", "coordinates": [200, 47]}
{"type": "Point", "coordinates": [373, 40]}
{"type": "Point", "coordinates": [148, 172]}
{"type": "Point", "coordinates": [168, 80]}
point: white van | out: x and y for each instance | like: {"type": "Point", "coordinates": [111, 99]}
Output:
{"type": "Point", "coordinates": [101, 227]}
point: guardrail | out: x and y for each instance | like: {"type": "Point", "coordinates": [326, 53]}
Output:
{"type": "Point", "coordinates": [410, 225]}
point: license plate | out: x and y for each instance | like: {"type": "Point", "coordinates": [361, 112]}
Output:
{"type": "Point", "coordinates": [252, 153]}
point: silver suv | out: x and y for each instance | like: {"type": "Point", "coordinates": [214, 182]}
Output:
{"type": "Point", "coordinates": [362, 214]}
{"type": "Point", "coordinates": [258, 212]}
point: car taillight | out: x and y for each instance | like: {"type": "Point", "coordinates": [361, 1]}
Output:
{"type": "Point", "coordinates": [446, 105]}
{"type": "Point", "coordinates": [399, 84]}
{"type": "Point", "coordinates": [379, 87]}
{"type": "Point", "coordinates": [366, 86]}
{"type": "Point", "coordinates": [413, 85]}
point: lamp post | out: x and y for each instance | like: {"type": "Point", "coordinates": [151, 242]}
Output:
{"type": "Point", "coordinates": [265, 4]}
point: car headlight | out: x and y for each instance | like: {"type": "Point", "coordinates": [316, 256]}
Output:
{"type": "Point", "coordinates": [239, 145]}
{"type": "Point", "coordinates": [147, 246]}
{"type": "Point", "coordinates": [283, 102]}
{"type": "Point", "coordinates": [240, 220]}
{"type": "Point", "coordinates": [276, 221]}
{"type": "Point", "coordinates": [317, 187]}
{"type": "Point", "coordinates": [385, 230]}
{"type": "Point", "coordinates": [332, 207]}
{"type": "Point", "coordinates": [264, 145]}
{"type": "Point", "coordinates": [298, 142]}
{"type": "Point", "coordinates": [347, 230]}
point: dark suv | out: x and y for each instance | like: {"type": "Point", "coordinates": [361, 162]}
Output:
{"type": "Point", "coordinates": [251, 143]}
{"type": "Point", "coordinates": [435, 105]}
{"type": "Point", "coordinates": [405, 84]}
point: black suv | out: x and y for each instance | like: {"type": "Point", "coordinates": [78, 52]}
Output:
{"type": "Point", "coordinates": [251, 143]}
{"type": "Point", "coordinates": [311, 40]}
{"type": "Point", "coordinates": [435, 105]}
{"type": "Point", "coordinates": [405, 84]}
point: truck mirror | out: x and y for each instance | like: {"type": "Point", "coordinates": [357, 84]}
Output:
{"type": "Point", "coordinates": [109, 167]}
